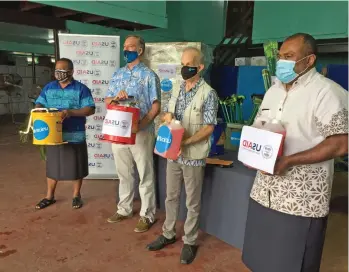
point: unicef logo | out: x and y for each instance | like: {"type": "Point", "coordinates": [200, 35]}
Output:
{"type": "Point", "coordinates": [235, 138]}
{"type": "Point", "coordinates": [40, 130]}
{"type": "Point", "coordinates": [267, 152]}
{"type": "Point", "coordinates": [164, 139]}
{"type": "Point", "coordinates": [166, 85]}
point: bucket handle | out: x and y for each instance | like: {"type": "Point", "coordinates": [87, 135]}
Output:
{"type": "Point", "coordinates": [117, 100]}
{"type": "Point", "coordinates": [43, 109]}
{"type": "Point", "coordinates": [28, 127]}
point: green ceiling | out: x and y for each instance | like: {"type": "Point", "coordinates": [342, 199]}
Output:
{"type": "Point", "coordinates": [25, 38]}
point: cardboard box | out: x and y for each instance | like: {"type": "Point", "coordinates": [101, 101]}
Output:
{"type": "Point", "coordinates": [242, 61]}
{"type": "Point", "coordinates": [259, 61]}
{"type": "Point", "coordinates": [259, 148]}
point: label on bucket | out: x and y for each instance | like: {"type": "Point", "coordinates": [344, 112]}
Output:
{"type": "Point", "coordinates": [117, 123]}
{"type": "Point", "coordinates": [40, 130]}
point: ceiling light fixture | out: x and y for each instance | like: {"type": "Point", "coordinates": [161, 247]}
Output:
{"type": "Point", "coordinates": [51, 41]}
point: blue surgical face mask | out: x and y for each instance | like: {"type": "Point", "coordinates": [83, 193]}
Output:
{"type": "Point", "coordinates": [285, 70]}
{"type": "Point", "coordinates": [130, 56]}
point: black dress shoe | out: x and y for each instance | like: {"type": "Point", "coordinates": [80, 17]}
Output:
{"type": "Point", "coordinates": [188, 254]}
{"type": "Point", "coordinates": [160, 243]}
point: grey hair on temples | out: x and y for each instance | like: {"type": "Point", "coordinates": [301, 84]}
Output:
{"type": "Point", "coordinates": [199, 56]}
{"type": "Point", "coordinates": [141, 42]}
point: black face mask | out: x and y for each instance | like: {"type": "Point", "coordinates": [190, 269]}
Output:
{"type": "Point", "coordinates": [188, 72]}
{"type": "Point", "coordinates": [62, 75]}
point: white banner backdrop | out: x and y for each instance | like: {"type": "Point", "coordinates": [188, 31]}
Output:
{"type": "Point", "coordinates": [95, 58]}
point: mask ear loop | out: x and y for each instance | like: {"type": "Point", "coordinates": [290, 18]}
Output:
{"type": "Point", "coordinates": [301, 73]}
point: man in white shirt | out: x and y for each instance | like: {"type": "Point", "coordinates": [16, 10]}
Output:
{"type": "Point", "coordinates": [288, 211]}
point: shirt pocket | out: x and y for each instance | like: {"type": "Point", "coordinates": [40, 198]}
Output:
{"type": "Point", "coordinates": [196, 116]}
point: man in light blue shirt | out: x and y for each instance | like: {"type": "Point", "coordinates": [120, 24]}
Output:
{"type": "Point", "coordinates": [137, 80]}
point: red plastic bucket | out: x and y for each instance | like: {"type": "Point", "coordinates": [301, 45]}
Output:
{"type": "Point", "coordinates": [118, 124]}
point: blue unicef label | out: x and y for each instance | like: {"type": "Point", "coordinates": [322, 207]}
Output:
{"type": "Point", "coordinates": [235, 138]}
{"type": "Point", "coordinates": [166, 85]}
{"type": "Point", "coordinates": [40, 130]}
{"type": "Point", "coordinates": [164, 139]}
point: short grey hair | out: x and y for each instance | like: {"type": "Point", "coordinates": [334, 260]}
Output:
{"type": "Point", "coordinates": [141, 42]}
{"type": "Point", "coordinates": [199, 57]}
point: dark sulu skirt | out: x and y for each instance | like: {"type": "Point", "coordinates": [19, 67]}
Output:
{"type": "Point", "coordinates": [279, 242]}
{"type": "Point", "coordinates": [67, 161]}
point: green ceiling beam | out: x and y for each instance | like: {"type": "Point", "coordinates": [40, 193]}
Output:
{"type": "Point", "coordinates": [26, 47]}
{"type": "Point", "coordinates": [151, 13]}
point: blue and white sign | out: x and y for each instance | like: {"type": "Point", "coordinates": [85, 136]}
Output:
{"type": "Point", "coordinates": [235, 138]}
{"type": "Point", "coordinates": [166, 85]}
{"type": "Point", "coordinates": [164, 139]}
{"type": "Point", "coordinates": [40, 130]}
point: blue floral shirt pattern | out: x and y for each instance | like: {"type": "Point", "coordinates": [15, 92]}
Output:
{"type": "Point", "coordinates": [210, 108]}
{"type": "Point", "coordinates": [140, 82]}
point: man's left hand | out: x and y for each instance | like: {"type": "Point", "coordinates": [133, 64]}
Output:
{"type": "Point", "coordinates": [135, 129]}
{"type": "Point", "coordinates": [185, 142]}
{"type": "Point", "coordinates": [65, 114]}
{"type": "Point", "coordinates": [281, 166]}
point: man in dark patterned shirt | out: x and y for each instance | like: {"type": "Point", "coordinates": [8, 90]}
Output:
{"type": "Point", "coordinates": [195, 104]}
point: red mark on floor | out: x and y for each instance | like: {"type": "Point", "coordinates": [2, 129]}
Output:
{"type": "Point", "coordinates": [81, 219]}
{"type": "Point", "coordinates": [4, 254]}
{"type": "Point", "coordinates": [62, 260]}
{"type": "Point", "coordinates": [142, 238]}
{"type": "Point", "coordinates": [161, 254]}
{"type": "Point", "coordinates": [36, 219]}
{"type": "Point", "coordinates": [6, 233]}
{"type": "Point", "coordinates": [104, 213]}
{"type": "Point", "coordinates": [107, 239]}
{"type": "Point", "coordinates": [2, 247]}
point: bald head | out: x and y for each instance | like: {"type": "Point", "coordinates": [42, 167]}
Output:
{"type": "Point", "coordinates": [300, 48]}
{"type": "Point", "coordinates": [196, 56]}
{"type": "Point", "coordinates": [307, 41]}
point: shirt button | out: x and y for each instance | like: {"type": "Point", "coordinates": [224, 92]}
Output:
{"type": "Point", "coordinates": [280, 109]}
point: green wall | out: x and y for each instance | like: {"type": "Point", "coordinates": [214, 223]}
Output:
{"type": "Point", "coordinates": [276, 20]}
{"type": "Point", "coordinates": [187, 21]}
{"type": "Point", "coordinates": [144, 12]}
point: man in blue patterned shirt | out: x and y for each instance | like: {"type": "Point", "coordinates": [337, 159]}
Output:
{"type": "Point", "coordinates": [195, 104]}
{"type": "Point", "coordinates": [137, 80]}
{"type": "Point", "coordinates": [67, 161]}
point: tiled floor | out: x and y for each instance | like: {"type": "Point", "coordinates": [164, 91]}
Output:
{"type": "Point", "coordinates": [59, 239]}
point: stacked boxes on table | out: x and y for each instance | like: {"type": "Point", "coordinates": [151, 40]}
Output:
{"type": "Point", "coordinates": [165, 60]}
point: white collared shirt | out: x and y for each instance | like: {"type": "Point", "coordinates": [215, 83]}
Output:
{"type": "Point", "coordinates": [313, 109]}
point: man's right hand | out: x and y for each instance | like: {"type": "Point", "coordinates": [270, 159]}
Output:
{"type": "Point", "coordinates": [121, 95]}
{"type": "Point", "coordinates": [167, 117]}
